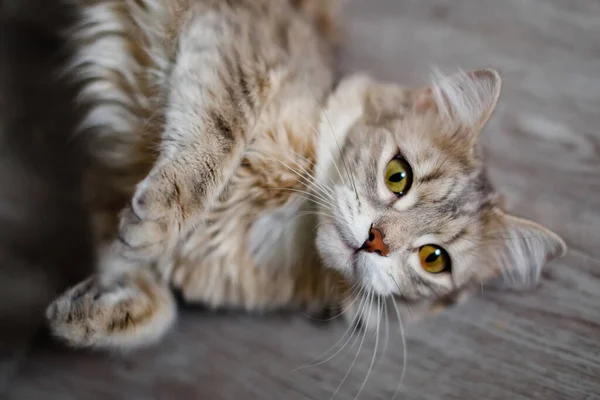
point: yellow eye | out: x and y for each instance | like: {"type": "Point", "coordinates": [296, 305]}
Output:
{"type": "Point", "coordinates": [434, 259]}
{"type": "Point", "coordinates": [398, 176]}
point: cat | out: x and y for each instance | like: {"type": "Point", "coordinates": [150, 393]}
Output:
{"type": "Point", "coordinates": [230, 167]}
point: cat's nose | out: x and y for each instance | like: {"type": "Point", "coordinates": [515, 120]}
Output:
{"type": "Point", "coordinates": [374, 244]}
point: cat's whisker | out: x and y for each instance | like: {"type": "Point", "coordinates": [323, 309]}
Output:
{"type": "Point", "coordinates": [359, 347]}
{"type": "Point", "coordinates": [387, 327]}
{"type": "Point", "coordinates": [338, 146]}
{"type": "Point", "coordinates": [316, 182]}
{"type": "Point", "coordinates": [309, 184]}
{"type": "Point", "coordinates": [312, 152]}
{"type": "Point", "coordinates": [353, 291]}
{"type": "Point", "coordinates": [400, 290]}
{"type": "Point", "coordinates": [404, 354]}
{"type": "Point", "coordinates": [353, 294]}
{"type": "Point", "coordinates": [340, 150]}
{"type": "Point", "coordinates": [362, 386]}
{"type": "Point", "coordinates": [353, 325]}
{"type": "Point", "coordinates": [317, 213]}
{"type": "Point", "coordinates": [307, 193]}
{"type": "Point", "coordinates": [310, 197]}
{"type": "Point", "coordinates": [331, 155]}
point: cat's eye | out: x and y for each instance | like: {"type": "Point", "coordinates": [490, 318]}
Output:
{"type": "Point", "coordinates": [434, 259]}
{"type": "Point", "coordinates": [398, 176]}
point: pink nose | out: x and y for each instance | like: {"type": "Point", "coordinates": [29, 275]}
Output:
{"type": "Point", "coordinates": [374, 244]}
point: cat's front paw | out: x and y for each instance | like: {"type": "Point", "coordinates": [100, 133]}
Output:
{"type": "Point", "coordinates": [129, 312]}
{"type": "Point", "coordinates": [151, 225]}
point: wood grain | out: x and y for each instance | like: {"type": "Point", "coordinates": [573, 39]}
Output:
{"type": "Point", "coordinates": [543, 147]}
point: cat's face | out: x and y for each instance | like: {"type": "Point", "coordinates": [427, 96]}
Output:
{"type": "Point", "coordinates": [412, 212]}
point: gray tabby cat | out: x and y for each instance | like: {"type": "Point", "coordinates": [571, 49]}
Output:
{"type": "Point", "coordinates": [252, 195]}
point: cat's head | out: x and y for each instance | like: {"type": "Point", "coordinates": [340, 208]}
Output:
{"type": "Point", "coordinates": [412, 212]}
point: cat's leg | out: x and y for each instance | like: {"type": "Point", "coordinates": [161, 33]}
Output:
{"type": "Point", "coordinates": [213, 104]}
{"type": "Point", "coordinates": [125, 308]}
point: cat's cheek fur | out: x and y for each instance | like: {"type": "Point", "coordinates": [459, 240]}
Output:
{"type": "Point", "coordinates": [334, 253]}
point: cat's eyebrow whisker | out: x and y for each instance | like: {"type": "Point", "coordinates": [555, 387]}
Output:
{"type": "Point", "coordinates": [316, 131]}
{"type": "Point", "coordinates": [354, 326]}
{"type": "Point", "coordinates": [315, 156]}
{"type": "Point", "coordinates": [340, 150]}
{"type": "Point", "coordinates": [362, 386]}
{"type": "Point", "coordinates": [337, 144]}
{"type": "Point", "coordinates": [404, 357]}
{"type": "Point", "coordinates": [370, 294]}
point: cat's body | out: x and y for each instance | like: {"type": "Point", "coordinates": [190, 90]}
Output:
{"type": "Point", "coordinates": [252, 201]}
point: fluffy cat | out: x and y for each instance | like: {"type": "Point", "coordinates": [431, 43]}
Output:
{"type": "Point", "coordinates": [241, 180]}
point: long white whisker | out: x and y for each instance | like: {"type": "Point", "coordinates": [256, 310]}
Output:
{"type": "Point", "coordinates": [356, 288]}
{"type": "Point", "coordinates": [308, 183]}
{"type": "Point", "coordinates": [311, 197]}
{"type": "Point", "coordinates": [387, 328]}
{"type": "Point", "coordinates": [316, 158]}
{"type": "Point", "coordinates": [400, 290]}
{"type": "Point", "coordinates": [332, 156]}
{"type": "Point", "coordinates": [354, 325]}
{"type": "Point", "coordinates": [404, 355]}
{"type": "Point", "coordinates": [374, 351]}
{"type": "Point", "coordinates": [317, 184]}
{"type": "Point", "coordinates": [338, 146]}
{"type": "Point", "coordinates": [306, 192]}
{"type": "Point", "coordinates": [359, 348]}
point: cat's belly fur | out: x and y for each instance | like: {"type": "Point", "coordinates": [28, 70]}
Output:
{"type": "Point", "coordinates": [256, 249]}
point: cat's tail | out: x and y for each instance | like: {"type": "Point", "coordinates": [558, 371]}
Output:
{"type": "Point", "coordinates": [324, 14]}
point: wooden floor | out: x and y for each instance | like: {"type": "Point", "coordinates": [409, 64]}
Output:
{"type": "Point", "coordinates": [543, 147]}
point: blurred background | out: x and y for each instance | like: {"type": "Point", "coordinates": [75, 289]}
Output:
{"type": "Point", "coordinates": [543, 148]}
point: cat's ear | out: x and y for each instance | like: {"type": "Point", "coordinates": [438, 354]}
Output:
{"type": "Point", "coordinates": [465, 98]}
{"type": "Point", "coordinates": [521, 248]}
